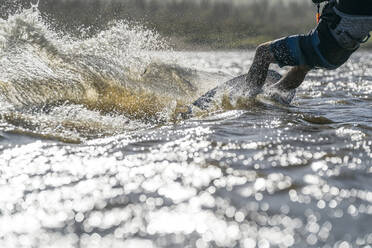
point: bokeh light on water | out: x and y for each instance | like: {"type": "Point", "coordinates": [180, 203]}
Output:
{"type": "Point", "coordinates": [193, 184]}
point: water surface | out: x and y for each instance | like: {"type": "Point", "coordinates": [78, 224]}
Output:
{"type": "Point", "coordinates": [93, 154]}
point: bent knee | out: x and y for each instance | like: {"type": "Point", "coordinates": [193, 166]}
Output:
{"type": "Point", "coordinates": [264, 51]}
{"type": "Point", "coordinates": [263, 48]}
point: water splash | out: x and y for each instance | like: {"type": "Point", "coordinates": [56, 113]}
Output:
{"type": "Point", "coordinates": [115, 71]}
{"type": "Point", "coordinates": [35, 6]}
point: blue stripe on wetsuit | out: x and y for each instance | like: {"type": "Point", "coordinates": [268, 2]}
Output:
{"type": "Point", "coordinates": [300, 50]}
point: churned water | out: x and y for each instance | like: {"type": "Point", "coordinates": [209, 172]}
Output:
{"type": "Point", "coordinates": [94, 154]}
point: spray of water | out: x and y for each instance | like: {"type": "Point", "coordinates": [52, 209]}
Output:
{"type": "Point", "coordinates": [115, 72]}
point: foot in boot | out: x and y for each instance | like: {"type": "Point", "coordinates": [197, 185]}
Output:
{"type": "Point", "coordinates": [280, 95]}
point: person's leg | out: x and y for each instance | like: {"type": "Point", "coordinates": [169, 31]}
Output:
{"type": "Point", "coordinates": [258, 71]}
{"type": "Point", "coordinates": [285, 89]}
{"type": "Point", "coordinates": [293, 78]}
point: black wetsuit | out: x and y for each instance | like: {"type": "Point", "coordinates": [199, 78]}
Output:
{"type": "Point", "coordinates": [352, 7]}
{"type": "Point", "coordinates": [328, 45]}
{"type": "Point", "coordinates": [319, 48]}
{"type": "Point", "coordinates": [355, 7]}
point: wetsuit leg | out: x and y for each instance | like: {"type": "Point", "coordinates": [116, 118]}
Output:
{"type": "Point", "coordinates": [287, 51]}
{"type": "Point", "coordinates": [293, 78]}
{"type": "Point", "coordinates": [258, 71]}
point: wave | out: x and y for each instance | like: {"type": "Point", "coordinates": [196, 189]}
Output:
{"type": "Point", "coordinates": [119, 73]}
{"type": "Point", "coordinates": [115, 71]}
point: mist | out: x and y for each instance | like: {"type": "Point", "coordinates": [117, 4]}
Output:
{"type": "Point", "coordinates": [216, 24]}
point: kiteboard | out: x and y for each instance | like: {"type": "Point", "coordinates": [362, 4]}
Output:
{"type": "Point", "coordinates": [238, 87]}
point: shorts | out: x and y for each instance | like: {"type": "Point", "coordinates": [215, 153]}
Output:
{"type": "Point", "coordinates": [318, 49]}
